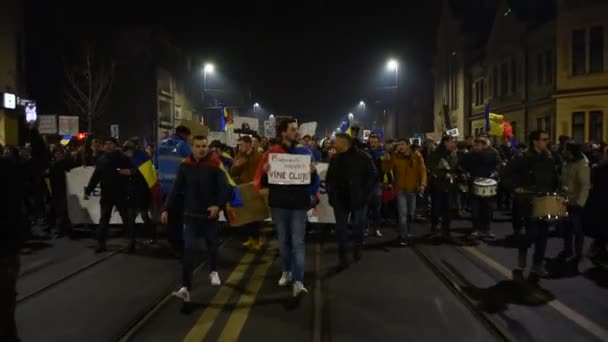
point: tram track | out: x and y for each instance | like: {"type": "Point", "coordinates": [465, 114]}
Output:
{"type": "Point", "coordinates": [69, 275]}
{"type": "Point", "coordinates": [142, 319]}
{"type": "Point", "coordinates": [449, 280]}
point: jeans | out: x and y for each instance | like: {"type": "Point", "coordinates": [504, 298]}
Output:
{"type": "Point", "coordinates": [127, 216]}
{"type": "Point", "coordinates": [440, 209]}
{"type": "Point", "coordinates": [193, 232]}
{"type": "Point", "coordinates": [537, 234]}
{"type": "Point", "coordinates": [406, 202]}
{"type": "Point", "coordinates": [573, 227]}
{"type": "Point", "coordinates": [375, 206]}
{"type": "Point", "coordinates": [482, 213]}
{"type": "Point", "coordinates": [291, 230]}
{"type": "Point", "coordinates": [9, 271]}
{"type": "Point", "coordinates": [358, 221]}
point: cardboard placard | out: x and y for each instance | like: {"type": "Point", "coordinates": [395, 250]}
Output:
{"type": "Point", "coordinates": [289, 169]}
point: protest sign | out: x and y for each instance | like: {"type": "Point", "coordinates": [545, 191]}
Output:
{"type": "Point", "coordinates": [47, 124]}
{"type": "Point", "coordinates": [308, 128]}
{"type": "Point", "coordinates": [220, 136]}
{"type": "Point", "coordinates": [289, 169]}
{"type": "Point", "coordinates": [254, 207]}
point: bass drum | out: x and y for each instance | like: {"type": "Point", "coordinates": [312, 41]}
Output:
{"type": "Point", "coordinates": [549, 207]}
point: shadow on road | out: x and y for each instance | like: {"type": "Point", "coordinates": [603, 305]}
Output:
{"type": "Point", "coordinates": [598, 275]}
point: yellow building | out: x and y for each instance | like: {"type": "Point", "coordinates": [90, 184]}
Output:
{"type": "Point", "coordinates": [582, 72]}
{"type": "Point", "coordinates": [10, 45]}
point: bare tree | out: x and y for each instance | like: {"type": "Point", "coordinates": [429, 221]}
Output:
{"type": "Point", "coordinates": [89, 84]}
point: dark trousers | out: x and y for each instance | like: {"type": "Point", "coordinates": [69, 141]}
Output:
{"type": "Point", "coordinates": [482, 213]}
{"type": "Point", "coordinates": [573, 228]}
{"type": "Point", "coordinates": [440, 209]}
{"type": "Point", "coordinates": [253, 229]}
{"type": "Point", "coordinates": [537, 234]}
{"type": "Point", "coordinates": [518, 213]}
{"type": "Point", "coordinates": [60, 214]}
{"type": "Point", "coordinates": [503, 198]}
{"type": "Point", "coordinates": [9, 272]}
{"type": "Point", "coordinates": [128, 219]}
{"type": "Point", "coordinates": [175, 230]}
{"type": "Point", "coordinates": [358, 220]}
{"type": "Point", "coordinates": [193, 233]}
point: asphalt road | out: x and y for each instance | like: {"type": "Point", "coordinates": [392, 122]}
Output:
{"type": "Point", "coordinates": [435, 292]}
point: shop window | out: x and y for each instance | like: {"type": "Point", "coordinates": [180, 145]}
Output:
{"type": "Point", "coordinates": [596, 126]}
{"type": "Point", "coordinates": [578, 127]}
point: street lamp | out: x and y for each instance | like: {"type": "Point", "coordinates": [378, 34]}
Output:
{"type": "Point", "coordinates": [351, 117]}
{"type": "Point", "coordinates": [393, 65]}
{"type": "Point", "coordinates": [207, 69]}
{"type": "Point", "coordinates": [361, 103]}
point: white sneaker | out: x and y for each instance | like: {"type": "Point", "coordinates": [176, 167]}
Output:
{"type": "Point", "coordinates": [298, 288]}
{"type": "Point", "coordinates": [183, 294]}
{"type": "Point", "coordinates": [215, 279]}
{"type": "Point", "coordinates": [285, 279]}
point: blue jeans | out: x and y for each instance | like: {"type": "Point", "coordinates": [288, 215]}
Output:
{"type": "Point", "coordinates": [406, 203]}
{"type": "Point", "coordinates": [358, 219]}
{"type": "Point", "coordinates": [193, 233]}
{"type": "Point", "coordinates": [291, 230]}
{"type": "Point", "coordinates": [375, 205]}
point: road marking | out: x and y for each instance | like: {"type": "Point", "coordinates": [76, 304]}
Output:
{"type": "Point", "coordinates": [238, 317]}
{"type": "Point", "coordinates": [318, 309]}
{"type": "Point", "coordinates": [202, 327]}
{"type": "Point", "coordinates": [582, 321]}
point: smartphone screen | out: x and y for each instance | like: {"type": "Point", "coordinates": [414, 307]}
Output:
{"type": "Point", "coordinates": [30, 112]}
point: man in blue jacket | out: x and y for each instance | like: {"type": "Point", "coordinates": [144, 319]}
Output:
{"type": "Point", "coordinates": [169, 155]}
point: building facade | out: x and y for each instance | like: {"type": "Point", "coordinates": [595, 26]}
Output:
{"type": "Point", "coordinates": [11, 67]}
{"type": "Point", "coordinates": [582, 72]}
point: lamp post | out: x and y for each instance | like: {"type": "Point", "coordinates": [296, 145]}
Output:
{"type": "Point", "coordinates": [209, 68]}
{"type": "Point", "coordinates": [393, 65]}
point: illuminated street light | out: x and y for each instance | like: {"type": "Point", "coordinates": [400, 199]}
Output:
{"type": "Point", "coordinates": [361, 103]}
{"type": "Point", "coordinates": [350, 116]}
{"type": "Point", "coordinates": [392, 64]}
{"type": "Point", "coordinates": [256, 105]}
{"type": "Point", "coordinates": [209, 68]}
{"type": "Point", "coordinates": [271, 117]}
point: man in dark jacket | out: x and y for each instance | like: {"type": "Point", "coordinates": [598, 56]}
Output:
{"type": "Point", "coordinates": [483, 163]}
{"type": "Point", "coordinates": [534, 173]}
{"type": "Point", "coordinates": [59, 166]}
{"type": "Point", "coordinates": [204, 188]}
{"type": "Point", "coordinates": [442, 164]}
{"type": "Point", "coordinates": [377, 153]}
{"type": "Point", "coordinates": [113, 170]}
{"type": "Point", "coordinates": [350, 180]}
{"type": "Point", "coordinates": [13, 175]}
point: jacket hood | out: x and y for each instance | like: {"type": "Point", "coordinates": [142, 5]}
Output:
{"type": "Point", "coordinates": [211, 160]}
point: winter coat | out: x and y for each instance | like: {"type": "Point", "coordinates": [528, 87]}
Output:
{"type": "Point", "coordinates": [114, 187]}
{"type": "Point", "coordinates": [536, 173]}
{"type": "Point", "coordinates": [292, 197]}
{"type": "Point", "coordinates": [202, 184]}
{"type": "Point", "coordinates": [350, 179]}
{"type": "Point", "coordinates": [409, 171]}
{"type": "Point", "coordinates": [245, 173]}
{"type": "Point", "coordinates": [482, 164]}
{"type": "Point", "coordinates": [576, 181]}
{"type": "Point", "coordinates": [443, 168]}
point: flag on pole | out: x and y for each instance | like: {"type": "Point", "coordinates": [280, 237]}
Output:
{"type": "Point", "coordinates": [142, 162]}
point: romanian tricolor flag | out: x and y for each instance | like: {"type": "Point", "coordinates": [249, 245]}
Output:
{"type": "Point", "coordinates": [143, 163]}
{"type": "Point", "coordinates": [225, 119]}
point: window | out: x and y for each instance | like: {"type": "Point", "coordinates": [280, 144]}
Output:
{"type": "Point", "coordinates": [482, 91]}
{"type": "Point", "coordinates": [579, 55]}
{"type": "Point", "coordinates": [513, 76]}
{"type": "Point", "coordinates": [495, 82]}
{"type": "Point", "coordinates": [549, 67]}
{"type": "Point", "coordinates": [539, 69]}
{"type": "Point", "coordinates": [578, 127]}
{"type": "Point", "coordinates": [596, 126]}
{"type": "Point", "coordinates": [539, 123]}
{"type": "Point", "coordinates": [596, 49]}
{"type": "Point", "coordinates": [504, 79]}
{"type": "Point", "coordinates": [548, 125]}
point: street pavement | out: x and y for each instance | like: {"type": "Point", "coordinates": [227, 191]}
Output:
{"type": "Point", "coordinates": [437, 291]}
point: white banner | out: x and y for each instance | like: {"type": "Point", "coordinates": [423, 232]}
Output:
{"type": "Point", "coordinates": [323, 212]}
{"type": "Point", "coordinates": [47, 124]}
{"type": "Point", "coordinates": [68, 125]}
{"type": "Point", "coordinates": [114, 131]}
{"type": "Point", "coordinates": [221, 136]}
{"type": "Point", "coordinates": [308, 128]}
{"type": "Point", "coordinates": [289, 169]}
{"type": "Point", "coordinates": [83, 211]}
{"type": "Point", "coordinates": [245, 125]}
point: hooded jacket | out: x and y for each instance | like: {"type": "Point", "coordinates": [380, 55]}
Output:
{"type": "Point", "coordinates": [202, 184]}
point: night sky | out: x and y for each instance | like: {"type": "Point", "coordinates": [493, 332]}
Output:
{"type": "Point", "coordinates": [316, 62]}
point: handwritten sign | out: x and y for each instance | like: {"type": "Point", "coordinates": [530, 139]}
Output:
{"type": "Point", "coordinates": [289, 169]}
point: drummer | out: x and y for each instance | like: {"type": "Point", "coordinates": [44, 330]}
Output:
{"type": "Point", "coordinates": [534, 173]}
{"type": "Point", "coordinates": [482, 164]}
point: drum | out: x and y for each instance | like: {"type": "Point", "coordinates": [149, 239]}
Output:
{"type": "Point", "coordinates": [484, 187]}
{"type": "Point", "coordinates": [549, 207]}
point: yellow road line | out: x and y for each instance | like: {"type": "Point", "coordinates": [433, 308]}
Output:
{"type": "Point", "coordinates": [207, 319]}
{"type": "Point", "coordinates": [582, 321]}
{"type": "Point", "coordinates": [239, 315]}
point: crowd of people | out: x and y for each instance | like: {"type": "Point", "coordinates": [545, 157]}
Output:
{"type": "Point", "coordinates": [371, 185]}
